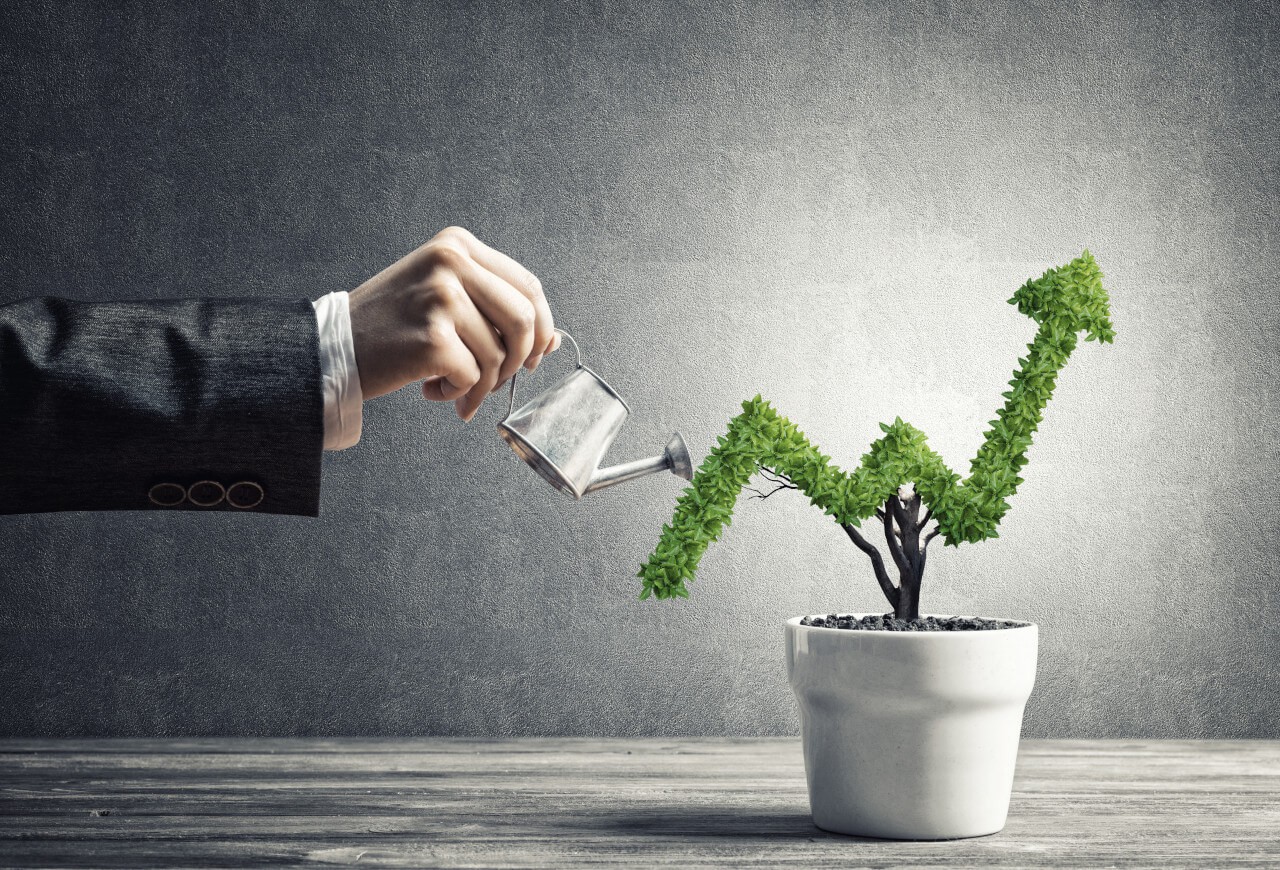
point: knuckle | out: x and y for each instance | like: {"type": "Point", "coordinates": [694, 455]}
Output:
{"type": "Point", "coordinates": [456, 234]}
{"type": "Point", "coordinates": [447, 294]}
{"type": "Point", "coordinates": [437, 334]}
{"type": "Point", "coordinates": [533, 286]}
{"type": "Point", "coordinates": [492, 358]}
{"type": "Point", "coordinates": [445, 252]}
{"type": "Point", "coordinates": [524, 317]}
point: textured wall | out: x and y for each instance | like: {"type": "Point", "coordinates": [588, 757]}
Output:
{"type": "Point", "coordinates": [827, 203]}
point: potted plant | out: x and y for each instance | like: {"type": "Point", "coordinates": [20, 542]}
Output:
{"type": "Point", "coordinates": [910, 724]}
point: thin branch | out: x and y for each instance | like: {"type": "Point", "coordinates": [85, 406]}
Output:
{"type": "Point", "coordinates": [909, 528]}
{"type": "Point", "coordinates": [924, 546]}
{"type": "Point", "coordinates": [774, 477]}
{"type": "Point", "coordinates": [900, 513]}
{"type": "Point", "coordinates": [762, 495]}
{"type": "Point", "coordinates": [877, 563]}
{"type": "Point", "coordinates": [895, 547]}
{"type": "Point", "coordinates": [928, 515]}
{"type": "Point", "coordinates": [879, 514]}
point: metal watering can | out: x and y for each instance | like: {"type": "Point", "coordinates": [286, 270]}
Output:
{"type": "Point", "coordinates": [564, 432]}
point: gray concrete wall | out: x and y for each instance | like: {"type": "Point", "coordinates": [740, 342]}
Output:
{"type": "Point", "coordinates": [826, 203]}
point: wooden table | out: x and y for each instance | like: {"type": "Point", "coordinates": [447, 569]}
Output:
{"type": "Point", "coordinates": [585, 802]}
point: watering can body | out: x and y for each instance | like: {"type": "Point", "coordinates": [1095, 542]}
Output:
{"type": "Point", "coordinates": [564, 432]}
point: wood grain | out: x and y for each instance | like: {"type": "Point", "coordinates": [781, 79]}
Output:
{"type": "Point", "coordinates": [587, 802]}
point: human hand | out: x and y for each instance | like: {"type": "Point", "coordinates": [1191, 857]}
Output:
{"type": "Point", "coordinates": [455, 314]}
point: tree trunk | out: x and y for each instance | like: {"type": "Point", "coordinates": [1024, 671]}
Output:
{"type": "Point", "coordinates": [903, 526]}
{"type": "Point", "coordinates": [908, 601]}
{"type": "Point", "coordinates": [908, 554]}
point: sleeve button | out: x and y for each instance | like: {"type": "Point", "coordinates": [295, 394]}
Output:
{"type": "Point", "coordinates": [245, 494]}
{"type": "Point", "coordinates": [167, 495]}
{"type": "Point", "coordinates": [205, 493]}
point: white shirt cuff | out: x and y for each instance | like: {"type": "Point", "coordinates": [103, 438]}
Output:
{"type": "Point", "coordinates": [341, 379]}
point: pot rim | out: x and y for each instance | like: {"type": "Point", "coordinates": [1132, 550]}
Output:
{"type": "Point", "coordinates": [794, 623]}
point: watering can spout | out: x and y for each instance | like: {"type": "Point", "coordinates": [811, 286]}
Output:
{"type": "Point", "coordinates": [675, 459]}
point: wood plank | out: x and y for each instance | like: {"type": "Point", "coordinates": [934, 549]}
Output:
{"type": "Point", "coordinates": [588, 802]}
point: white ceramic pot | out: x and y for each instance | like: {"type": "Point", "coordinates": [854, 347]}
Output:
{"type": "Point", "coordinates": [910, 735]}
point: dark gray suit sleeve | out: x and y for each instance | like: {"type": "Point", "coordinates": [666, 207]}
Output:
{"type": "Point", "coordinates": [211, 404]}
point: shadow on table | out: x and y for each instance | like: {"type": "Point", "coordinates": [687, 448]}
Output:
{"type": "Point", "coordinates": [684, 821]}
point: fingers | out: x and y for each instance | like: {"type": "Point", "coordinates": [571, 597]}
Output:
{"type": "Point", "coordinates": [508, 310]}
{"type": "Point", "coordinates": [487, 350]}
{"type": "Point", "coordinates": [454, 371]}
{"type": "Point", "coordinates": [439, 389]}
{"type": "Point", "coordinates": [523, 282]}
{"type": "Point", "coordinates": [463, 347]}
{"type": "Point", "coordinates": [487, 315]}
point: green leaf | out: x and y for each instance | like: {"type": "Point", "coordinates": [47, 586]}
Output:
{"type": "Point", "coordinates": [1064, 302]}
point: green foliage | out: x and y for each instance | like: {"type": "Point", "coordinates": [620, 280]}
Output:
{"type": "Point", "coordinates": [1064, 301]}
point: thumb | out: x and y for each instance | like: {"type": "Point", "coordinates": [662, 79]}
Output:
{"type": "Point", "coordinates": [441, 389]}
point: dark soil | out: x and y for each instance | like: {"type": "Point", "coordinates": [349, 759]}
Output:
{"type": "Point", "coordinates": [887, 622]}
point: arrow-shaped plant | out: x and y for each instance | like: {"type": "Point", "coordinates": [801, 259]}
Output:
{"type": "Point", "coordinates": [900, 475]}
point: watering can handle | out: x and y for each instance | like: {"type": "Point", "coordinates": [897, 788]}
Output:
{"type": "Point", "coordinates": [511, 398]}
